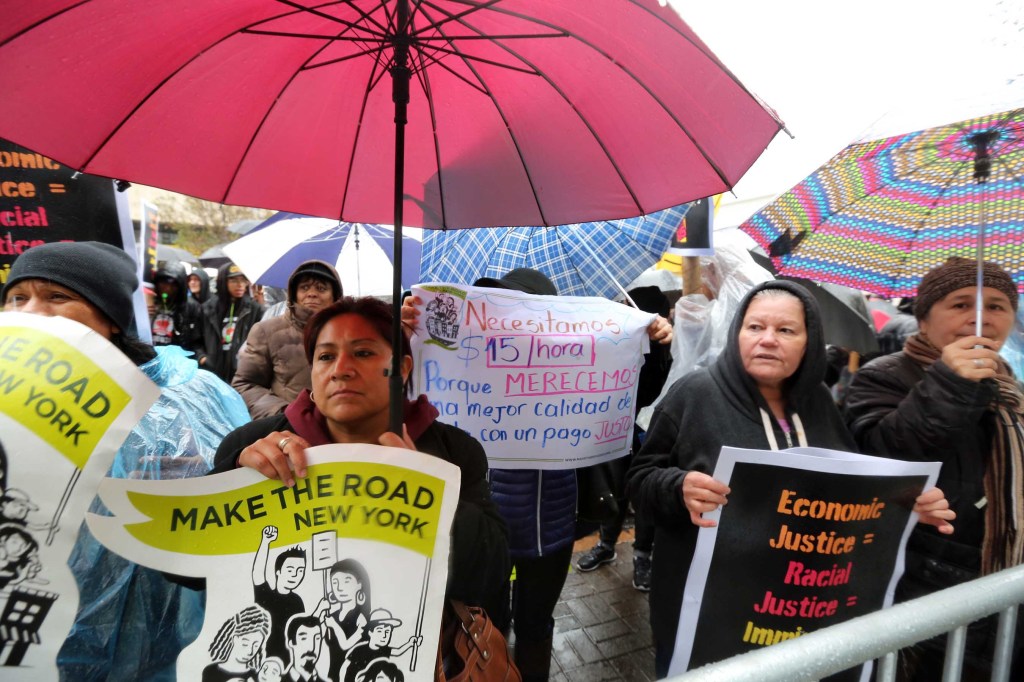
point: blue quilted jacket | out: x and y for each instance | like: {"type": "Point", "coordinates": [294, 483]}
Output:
{"type": "Point", "coordinates": [539, 508]}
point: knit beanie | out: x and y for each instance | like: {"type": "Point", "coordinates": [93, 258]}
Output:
{"type": "Point", "coordinates": [957, 273]}
{"type": "Point", "coordinates": [101, 273]}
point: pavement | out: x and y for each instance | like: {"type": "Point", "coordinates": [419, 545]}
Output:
{"type": "Point", "coordinates": [602, 624]}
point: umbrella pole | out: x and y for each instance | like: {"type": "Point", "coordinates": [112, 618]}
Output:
{"type": "Point", "coordinates": [400, 77]}
{"type": "Point", "coordinates": [982, 169]}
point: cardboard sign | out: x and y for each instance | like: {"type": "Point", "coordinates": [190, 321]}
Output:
{"type": "Point", "coordinates": [68, 399]}
{"type": "Point", "coordinates": [296, 576]}
{"type": "Point", "coordinates": [810, 538]}
{"type": "Point", "coordinates": [543, 382]}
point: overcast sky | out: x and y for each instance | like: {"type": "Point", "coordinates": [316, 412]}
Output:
{"type": "Point", "coordinates": [835, 70]}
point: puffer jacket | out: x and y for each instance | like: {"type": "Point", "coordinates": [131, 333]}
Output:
{"type": "Point", "coordinates": [539, 508]}
{"type": "Point", "coordinates": [272, 366]}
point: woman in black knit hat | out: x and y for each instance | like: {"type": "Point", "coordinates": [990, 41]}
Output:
{"type": "Point", "coordinates": [950, 397]}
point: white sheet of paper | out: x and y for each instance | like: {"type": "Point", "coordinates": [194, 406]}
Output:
{"type": "Point", "coordinates": [68, 399]}
{"type": "Point", "coordinates": [803, 459]}
{"type": "Point", "coordinates": [389, 510]}
{"type": "Point", "coordinates": [543, 382]}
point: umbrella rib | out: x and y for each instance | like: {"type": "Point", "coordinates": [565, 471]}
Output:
{"type": "Point", "coordinates": [421, 76]}
{"type": "Point", "coordinates": [372, 79]}
{"type": "Point", "coordinates": [382, 33]}
{"type": "Point", "coordinates": [579, 114]}
{"type": "Point", "coordinates": [714, 166]}
{"type": "Point", "coordinates": [142, 101]}
{"type": "Point", "coordinates": [504, 118]}
{"type": "Point", "coordinates": [263, 120]}
{"type": "Point", "coordinates": [43, 20]}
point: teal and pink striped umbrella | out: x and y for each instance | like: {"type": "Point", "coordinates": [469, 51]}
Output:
{"type": "Point", "coordinates": [882, 213]}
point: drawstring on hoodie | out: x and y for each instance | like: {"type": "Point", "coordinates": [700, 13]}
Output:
{"type": "Point", "coordinates": [769, 431]}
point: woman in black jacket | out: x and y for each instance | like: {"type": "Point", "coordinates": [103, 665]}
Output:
{"type": "Point", "coordinates": [227, 319]}
{"type": "Point", "coordinates": [349, 404]}
{"type": "Point", "coordinates": [764, 391]}
{"type": "Point", "coordinates": [949, 397]}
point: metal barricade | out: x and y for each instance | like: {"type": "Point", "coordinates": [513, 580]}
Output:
{"type": "Point", "coordinates": [879, 634]}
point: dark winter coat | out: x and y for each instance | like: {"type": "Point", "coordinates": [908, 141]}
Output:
{"type": "Point", "coordinates": [272, 367]}
{"type": "Point", "coordinates": [214, 356]}
{"type": "Point", "coordinates": [703, 411]}
{"type": "Point", "coordinates": [184, 310]}
{"type": "Point", "coordinates": [539, 508]}
{"type": "Point", "coordinates": [204, 285]}
{"type": "Point", "coordinates": [479, 564]}
{"type": "Point", "coordinates": [896, 407]}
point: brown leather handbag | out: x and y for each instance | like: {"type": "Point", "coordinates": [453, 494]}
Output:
{"type": "Point", "coordinates": [472, 648]}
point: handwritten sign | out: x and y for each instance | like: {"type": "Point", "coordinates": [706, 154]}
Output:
{"type": "Point", "coordinates": [826, 531]}
{"type": "Point", "coordinates": [68, 399]}
{"type": "Point", "coordinates": [361, 543]}
{"type": "Point", "coordinates": [543, 382]}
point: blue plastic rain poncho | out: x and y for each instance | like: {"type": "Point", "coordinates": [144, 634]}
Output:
{"type": "Point", "coordinates": [132, 623]}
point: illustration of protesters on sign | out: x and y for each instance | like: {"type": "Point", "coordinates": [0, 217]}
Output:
{"type": "Point", "coordinates": [344, 610]}
{"type": "Point", "coordinates": [238, 649]}
{"type": "Point", "coordinates": [362, 514]}
{"type": "Point", "coordinates": [68, 402]}
{"type": "Point", "coordinates": [276, 593]}
{"type": "Point", "coordinates": [381, 670]}
{"type": "Point", "coordinates": [305, 642]}
{"type": "Point", "coordinates": [19, 555]}
{"type": "Point", "coordinates": [377, 645]}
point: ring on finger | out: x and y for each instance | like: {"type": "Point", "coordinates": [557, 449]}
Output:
{"type": "Point", "coordinates": [283, 443]}
{"type": "Point", "coordinates": [979, 363]}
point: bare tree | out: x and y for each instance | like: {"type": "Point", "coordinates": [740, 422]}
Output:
{"type": "Point", "coordinates": [201, 224]}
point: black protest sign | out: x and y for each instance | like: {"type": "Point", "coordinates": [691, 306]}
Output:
{"type": "Point", "coordinates": [41, 203]}
{"type": "Point", "coordinates": [797, 550]}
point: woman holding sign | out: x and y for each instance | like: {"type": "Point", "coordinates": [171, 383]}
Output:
{"type": "Point", "coordinates": [347, 345]}
{"type": "Point", "coordinates": [764, 391]}
{"type": "Point", "coordinates": [949, 396]}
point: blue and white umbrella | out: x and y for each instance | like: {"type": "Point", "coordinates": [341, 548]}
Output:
{"type": "Point", "coordinates": [362, 253]}
{"type": "Point", "coordinates": [582, 259]}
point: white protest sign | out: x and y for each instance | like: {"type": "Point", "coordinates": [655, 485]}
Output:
{"type": "Point", "coordinates": [543, 382]}
{"type": "Point", "coordinates": [296, 576]}
{"type": "Point", "coordinates": [826, 530]}
{"type": "Point", "coordinates": [68, 399]}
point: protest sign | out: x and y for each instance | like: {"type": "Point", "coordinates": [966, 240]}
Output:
{"type": "Point", "coordinates": [543, 382]}
{"type": "Point", "coordinates": [296, 575]}
{"type": "Point", "coordinates": [810, 538]}
{"type": "Point", "coordinates": [68, 399]}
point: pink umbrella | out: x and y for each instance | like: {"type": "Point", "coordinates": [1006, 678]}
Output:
{"type": "Point", "coordinates": [520, 112]}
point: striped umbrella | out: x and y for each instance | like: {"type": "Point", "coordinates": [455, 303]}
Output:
{"type": "Point", "coordinates": [883, 212]}
{"type": "Point", "coordinates": [584, 259]}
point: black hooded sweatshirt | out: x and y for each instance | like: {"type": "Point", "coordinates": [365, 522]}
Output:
{"type": "Point", "coordinates": [178, 318]}
{"type": "Point", "coordinates": [702, 412]}
{"type": "Point", "coordinates": [204, 285]}
{"type": "Point", "coordinates": [226, 326]}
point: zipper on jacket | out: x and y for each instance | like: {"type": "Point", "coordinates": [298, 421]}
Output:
{"type": "Point", "coordinates": [540, 489]}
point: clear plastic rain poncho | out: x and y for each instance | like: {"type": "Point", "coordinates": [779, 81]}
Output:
{"type": "Point", "coordinates": [132, 623]}
{"type": "Point", "coordinates": [701, 326]}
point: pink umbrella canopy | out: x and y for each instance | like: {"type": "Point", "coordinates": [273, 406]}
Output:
{"type": "Point", "coordinates": [521, 112]}
{"type": "Point", "coordinates": [516, 112]}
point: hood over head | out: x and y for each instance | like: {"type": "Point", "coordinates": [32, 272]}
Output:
{"type": "Point", "coordinates": [224, 273]}
{"type": "Point", "coordinates": [204, 283]}
{"type": "Point", "coordinates": [741, 387]}
{"type": "Point", "coordinates": [175, 271]}
{"type": "Point", "coordinates": [315, 268]}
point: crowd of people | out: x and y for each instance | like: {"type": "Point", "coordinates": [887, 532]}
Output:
{"type": "Point", "coordinates": [240, 391]}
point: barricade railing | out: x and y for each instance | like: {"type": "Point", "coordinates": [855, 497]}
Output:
{"type": "Point", "coordinates": [880, 634]}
